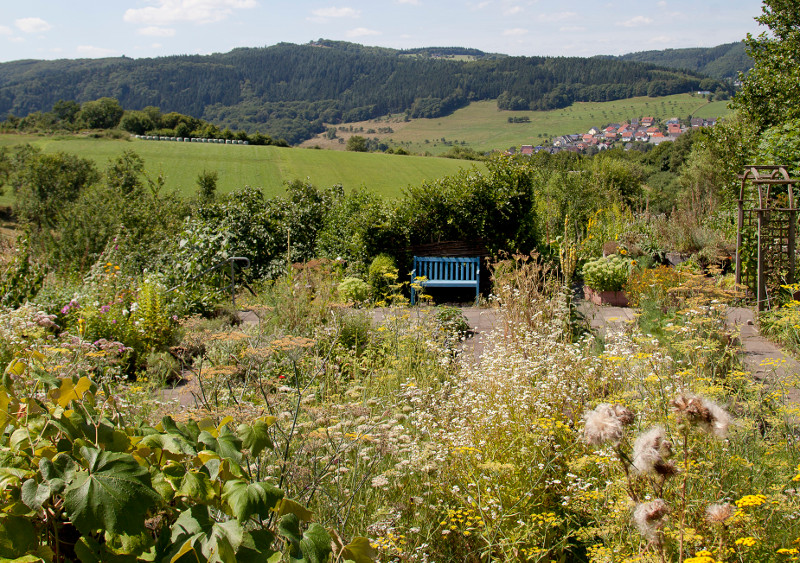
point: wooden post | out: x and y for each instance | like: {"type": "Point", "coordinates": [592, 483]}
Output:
{"type": "Point", "coordinates": [790, 243]}
{"type": "Point", "coordinates": [233, 285]}
{"type": "Point", "coordinates": [739, 240]}
{"type": "Point", "coordinates": [761, 280]}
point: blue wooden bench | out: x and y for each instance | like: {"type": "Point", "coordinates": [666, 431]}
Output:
{"type": "Point", "coordinates": [446, 271]}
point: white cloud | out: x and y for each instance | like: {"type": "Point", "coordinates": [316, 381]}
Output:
{"type": "Point", "coordinates": [516, 32]}
{"type": "Point", "coordinates": [165, 12]}
{"type": "Point", "coordinates": [558, 17]}
{"type": "Point", "coordinates": [32, 25]}
{"type": "Point", "coordinates": [156, 45]}
{"type": "Point", "coordinates": [361, 32]}
{"type": "Point", "coordinates": [664, 40]}
{"type": "Point", "coordinates": [637, 21]}
{"type": "Point", "coordinates": [334, 12]}
{"type": "Point", "coordinates": [5, 30]}
{"type": "Point", "coordinates": [479, 6]}
{"type": "Point", "coordinates": [155, 31]}
{"type": "Point", "coordinates": [92, 51]}
{"type": "Point", "coordinates": [512, 11]}
{"type": "Point", "coordinates": [572, 29]}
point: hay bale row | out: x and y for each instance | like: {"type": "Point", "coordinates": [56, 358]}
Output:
{"type": "Point", "coordinates": [191, 140]}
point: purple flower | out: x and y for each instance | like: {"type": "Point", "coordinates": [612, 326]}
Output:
{"type": "Point", "coordinates": [65, 310]}
{"type": "Point", "coordinates": [105, 309]}
{"type": "Point", "coordinates": [113, 321]}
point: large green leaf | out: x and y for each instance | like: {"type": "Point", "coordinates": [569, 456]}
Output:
{"type": "Point", "coordinates": [289, 506]}
{"type": "Point", "coordinates": [313, 546]}
{"type": "Point", "coordinates": [257, 547]}
{"type": "Point", "coordinates": [255, 437]}
{"type": "Point", "coordinates": [17, 536]}
{"type": "Point", "coordinates": [172, 443]}
{"type": "Point", "coordinates": [218, 541]}
{"type": "Point", "coordinates": [289, 528]}
{"type": "Point", "coordinates": [57, 471]}
{"type": "Point", "coordinates": [112, 492]}
{"type": "Point", "coordinates": [316, 544]}
{"type": "Point", "coordinates": [359, 550]}
{"type": "Point", "coordinates": [111, 438]}
{"type": "Point", "coordinates": [34, 494]}
{"type": "Point", "coordinates": [222, 542]}
{"type": "Point", "coordinates": [196, 485]}
{"type": "Point", "coordinates": [226, 444]}
{"type": "Point", "coordinates": [247, 499]}
{"type": "Point", "coordinates": [8, 408]}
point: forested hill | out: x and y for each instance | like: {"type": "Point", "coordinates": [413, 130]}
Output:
{"type": "Point", "coordinates": [289, 90]}
{"type": "Point", "coordinates": [723, 61]}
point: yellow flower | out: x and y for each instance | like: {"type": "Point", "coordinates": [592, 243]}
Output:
{"type": "Point", "coordinates": [749, 541]}
{"type": "Point", "coordinates": [751, 500]}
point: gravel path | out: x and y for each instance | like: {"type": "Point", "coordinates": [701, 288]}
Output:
{"type": "Point", "coordinates": [765, 360]}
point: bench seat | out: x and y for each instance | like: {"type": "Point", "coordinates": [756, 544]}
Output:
{"type": "Point", "coordinates": [446, 271]}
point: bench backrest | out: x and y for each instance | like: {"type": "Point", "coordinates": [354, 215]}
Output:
{"type": "Point", "coordinates": [446, 268]}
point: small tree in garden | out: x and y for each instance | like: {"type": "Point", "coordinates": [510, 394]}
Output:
{"type": "Point", "coordinates": [207, 184]}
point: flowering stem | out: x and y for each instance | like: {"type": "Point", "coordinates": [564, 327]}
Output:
{"type": "Point", "coordinates": [683, 490]}
{"type": "Point", "coordinates": [626, 461]}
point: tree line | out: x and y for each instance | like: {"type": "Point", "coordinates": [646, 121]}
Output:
{"type": "Point", "coordinates": [107, 114]}
{"type": "Point", "coordinates": [291, 91]}
{"type": "Point", "coordinates": [721, 62]}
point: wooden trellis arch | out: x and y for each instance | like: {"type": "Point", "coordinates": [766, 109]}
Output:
{"type": "Point", "coordinates": [766, 240]}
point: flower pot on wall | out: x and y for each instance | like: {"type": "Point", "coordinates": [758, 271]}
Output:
{"type": "Point", "coordinates": [613, 298]}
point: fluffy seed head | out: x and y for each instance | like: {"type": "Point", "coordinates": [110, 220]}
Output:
{"type": "Point", "coordinates": [719, 513]}
{"type": "Point", "coordinates": [605, 424]}
{"type": "Point", "coordinates": [650, 453]}
{"type": "Point", "coordinates": [649, 516]}
{"type": "Point", "coordinates": [704, 413]}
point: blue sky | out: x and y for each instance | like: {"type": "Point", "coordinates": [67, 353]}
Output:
{"type": "Point", "coordinates": [52, 29]}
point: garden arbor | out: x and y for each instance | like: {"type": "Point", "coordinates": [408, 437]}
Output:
{"type": "Point", "coordinates": [766, 241]}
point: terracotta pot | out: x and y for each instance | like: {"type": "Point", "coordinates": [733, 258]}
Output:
{"type": "Point", "coordinates": [613, 298]}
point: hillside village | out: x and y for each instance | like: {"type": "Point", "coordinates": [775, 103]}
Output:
{"type": "Point", "coordinates": [644, 130]}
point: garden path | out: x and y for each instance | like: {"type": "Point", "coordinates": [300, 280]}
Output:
{"type": "Point", "coordinates": [481, 321]}
{"type": "Point", "coordinates": [768, 363]}
{"type": "Point", "coordinates": [765, 360]}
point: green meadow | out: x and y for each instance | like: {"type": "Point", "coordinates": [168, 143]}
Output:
{"type": "Point", "coordinates": [481, 126]}
{"type": "Point", "coordinates": [266, 167]}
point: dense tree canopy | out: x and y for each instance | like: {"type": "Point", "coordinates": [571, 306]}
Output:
{"type": "Point", "coordinates": [291, 91]}
{"type": "Point", "coordinates": [770, 93]}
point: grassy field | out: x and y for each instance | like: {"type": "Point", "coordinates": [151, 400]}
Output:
{"type": "Point", "coordinates": [483, 127]}
{"type": "Point", "coordinates": [265, 167]}
{"type": "Point", "coordinates": [480, 126]}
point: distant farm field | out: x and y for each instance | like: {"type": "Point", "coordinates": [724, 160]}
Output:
{"type": "Point", "coordinates": [481, 126]}
{"type": "Point", "coordinates": [265, 167]}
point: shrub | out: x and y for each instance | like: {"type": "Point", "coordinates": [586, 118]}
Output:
{"type": "Point", "coordinates": [609, 273]}
{"type": "Point", "coordinates": [22, 279]}
{"type": "Point", "coordinates": [354, 290]}
{"type": "Point", "coordinates": [452, 321]}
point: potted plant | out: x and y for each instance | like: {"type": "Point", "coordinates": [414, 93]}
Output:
{"type": "Point", "coordinates": [605, 279]}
